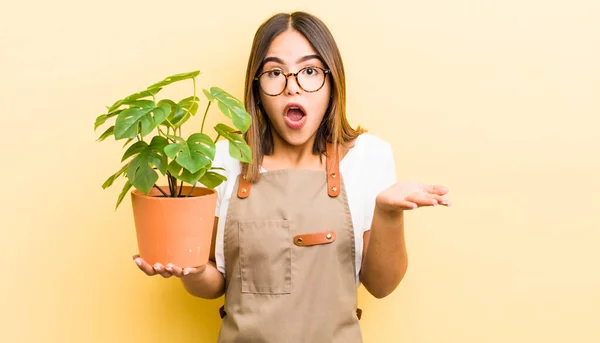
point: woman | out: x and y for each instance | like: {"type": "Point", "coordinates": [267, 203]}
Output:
{"type": "Point", "coordinates": [317, 212]}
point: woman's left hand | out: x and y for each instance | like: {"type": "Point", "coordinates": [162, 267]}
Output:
{"type": "Point", "coordinates": [410, 195]}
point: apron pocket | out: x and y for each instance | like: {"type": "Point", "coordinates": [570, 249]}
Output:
{"type": "Point", "coordinates": [265, 257]}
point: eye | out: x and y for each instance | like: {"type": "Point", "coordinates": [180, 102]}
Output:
{"type": "Point", "coordinates": [274, 73]}
{"type": "Point", "coordinates": [311, 71]}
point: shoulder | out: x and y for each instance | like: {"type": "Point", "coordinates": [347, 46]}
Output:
{"type": "Point", "coordinates": [370, 149]}
{"type": "Point", "coordinates": [369, 163]}
{"type": "Point", "coordinates": [369, 141]}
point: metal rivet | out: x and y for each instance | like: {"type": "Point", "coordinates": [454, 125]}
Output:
{"type": "Point", "coordinates": [244, 190]}
{"type": "Point", "coordinates": [328, 236]}
{"type": "Point", "coordinates": [333, 175]}
{"type": "Point", "coordinates": [299, 240]}
{"type": "Point", "coordinates": [334, 189]}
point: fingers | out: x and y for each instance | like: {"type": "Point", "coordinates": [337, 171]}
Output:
{"type": "Point", "coordinates": [151, 270]}
{"type": "Point", "coordinates": [144, 266]}
{"type": "Point", "coordinates": [165, 271]}
{"type": "Point", "coordinates": [406, 204]}
{"type": "Point", "coordinates": [424, 199]}
{"type": "Point", "coordinates": [436, 189]}
{"type": "Point", "coordinates": [175, 270]}
{"type": "Point", "coordinates": [439, 200]}
{"type": "Point", "coordinates": [162, 270]}
{"type": "Point", "coordinates": [191, 271]}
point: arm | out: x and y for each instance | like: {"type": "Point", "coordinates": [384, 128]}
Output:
{"type": "Point", "coordinates": [384, 254]}
{"type": "Point", "coordinates": [205, 282]}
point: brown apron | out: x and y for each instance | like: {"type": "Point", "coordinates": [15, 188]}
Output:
{"type": "Point", "coordinates": [289, 260]}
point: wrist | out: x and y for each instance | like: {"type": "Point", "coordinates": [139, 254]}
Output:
{"type": "Point", "coordinates": [388, 212]}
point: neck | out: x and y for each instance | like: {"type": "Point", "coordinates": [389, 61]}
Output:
{"type": "Point", "coordinates": [286, 155]}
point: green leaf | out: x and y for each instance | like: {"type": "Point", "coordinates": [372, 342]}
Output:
{"type": "Point", "coordinates": [194, 154]}
{"type": "Point", "coordinates": [126, 189]}
{"type": "Point", "coordinates": [189, 101]}
{"type": "Point", "coordinates": [232, 108]}
{"type": "Point", "coordinates": [158, 143]}
{"type": "Point", "coordinates": [109, 132]}
{"type": "Point", "coordinates": [174, 116]}
{"type": "Point", "coordinates": [189, 106]}
{"type": "Point", "coordinates": [113, 177]}
{"type": "Point", "coordinates": [176, 138]}
{"type": "Point", "coordinates": [135, 149]}
{"type": "Point", "coordinates": [181, 117]}
{"type": "Point", "coordinates": [136, 96]}
{"type": "Point", "coordinates": [183, 174]}
{"type": "Point", "coordinates": [128, 141]}
{"type": "Point", "coordinates": [212, 180]}
{"type": "Point", "coordinates": [174, 78]}
{"type": "Point", "coordinates": [142, 117]}
{"type": "Point", "coordinates": [209, 96]}
{"type": "Point", "coordinates": [100, 120]}
{"type": "Point", "coordinates": [167, 101]}
{"type": "Point", "coordinates": [141, 173]}
{"type": "Point", "coordinates": [238, 148]}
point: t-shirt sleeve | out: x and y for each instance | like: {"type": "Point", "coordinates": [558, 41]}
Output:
{"type": "Point", "coordinates": [381, 178]}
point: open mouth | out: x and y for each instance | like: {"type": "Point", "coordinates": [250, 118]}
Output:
{"type": "Point", "coordinates": [295, 116]}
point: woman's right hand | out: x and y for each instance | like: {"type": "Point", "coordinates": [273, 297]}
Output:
{"type": "Point", "coordinates": [168, 270]}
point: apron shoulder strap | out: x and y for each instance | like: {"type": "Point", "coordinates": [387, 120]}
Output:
{"type": "Point", "coordinates": [333, 176]}
{"type": "Point", "coordinates": [333, 171]}
{"type": "Point", "coordinates": [243, 188]}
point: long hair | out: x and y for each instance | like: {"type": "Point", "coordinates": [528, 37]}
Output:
{"type": "Point", "coordinates": [334, 128]}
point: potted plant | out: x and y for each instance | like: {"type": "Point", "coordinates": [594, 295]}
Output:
{"type": "Point", "coordinates": [174, 222]}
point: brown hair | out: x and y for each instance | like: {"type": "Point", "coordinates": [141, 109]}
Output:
{"type": "Point", "coordinates": [334, 128]}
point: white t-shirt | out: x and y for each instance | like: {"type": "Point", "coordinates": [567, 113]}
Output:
{"type": "Point", "coordinates": [367, 169]}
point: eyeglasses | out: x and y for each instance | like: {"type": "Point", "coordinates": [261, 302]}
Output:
{"type": "Point", "coordinates": [310, 79]}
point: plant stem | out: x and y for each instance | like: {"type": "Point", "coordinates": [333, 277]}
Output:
{"type": "Point", "coordinates": [173, 126]}
{"type": "Point", "coordinates": [180, 189]}
{"type": "Point", "coordinates": [161, 132]}
{"type": "Point", "coordinates": [170, 181]}
{"type": "Point", "coordinates": [165, 194]}
{"type": "Point", "coordinates": [194, 82]}
{"type": "Point", "coordinates": [191, 190]}
{"type": "Point", "coordinates": [217, 139]}
{"type": "Point", "coordinates": [174, 183]}
{"type": "Point", "coordinates": [204, 119]}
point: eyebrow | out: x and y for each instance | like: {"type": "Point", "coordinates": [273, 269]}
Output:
{"type": "Point", "coordinates": [300, 60]}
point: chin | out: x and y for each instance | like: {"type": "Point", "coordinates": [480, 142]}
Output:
{"type": "Point", "coordinates": [297, 138]}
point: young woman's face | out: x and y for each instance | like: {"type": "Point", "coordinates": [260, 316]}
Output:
{"type": "Point", "coordinates": [296, 113]}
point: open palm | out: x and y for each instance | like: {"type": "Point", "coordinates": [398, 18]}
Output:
{"type": "Point", "coordinates": [411, 195]}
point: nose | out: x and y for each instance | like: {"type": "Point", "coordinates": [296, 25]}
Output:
{"type": "Point", "coordinates": [292, 86]}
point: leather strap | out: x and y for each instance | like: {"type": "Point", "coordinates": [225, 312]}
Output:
{"type": "Point", "coordinates": [333, 176]}
{"type": "Point", "coordinates": [222, 312]}
{"type": "Point", "coordinates": [333, 172]}
{"type": "Point", "coordinates": [309, 239]}
{"type": "Point", "coordinates": [244, 188]}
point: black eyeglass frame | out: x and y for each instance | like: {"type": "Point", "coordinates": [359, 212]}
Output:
{"type": "Point", "coordinates": [323, 70]}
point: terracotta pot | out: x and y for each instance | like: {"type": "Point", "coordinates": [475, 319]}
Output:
{"type": "Point", "coordinates": [174, 230]}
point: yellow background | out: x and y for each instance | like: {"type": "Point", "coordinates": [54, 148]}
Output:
{"type": "Point", "coordinates": [498, 100]}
